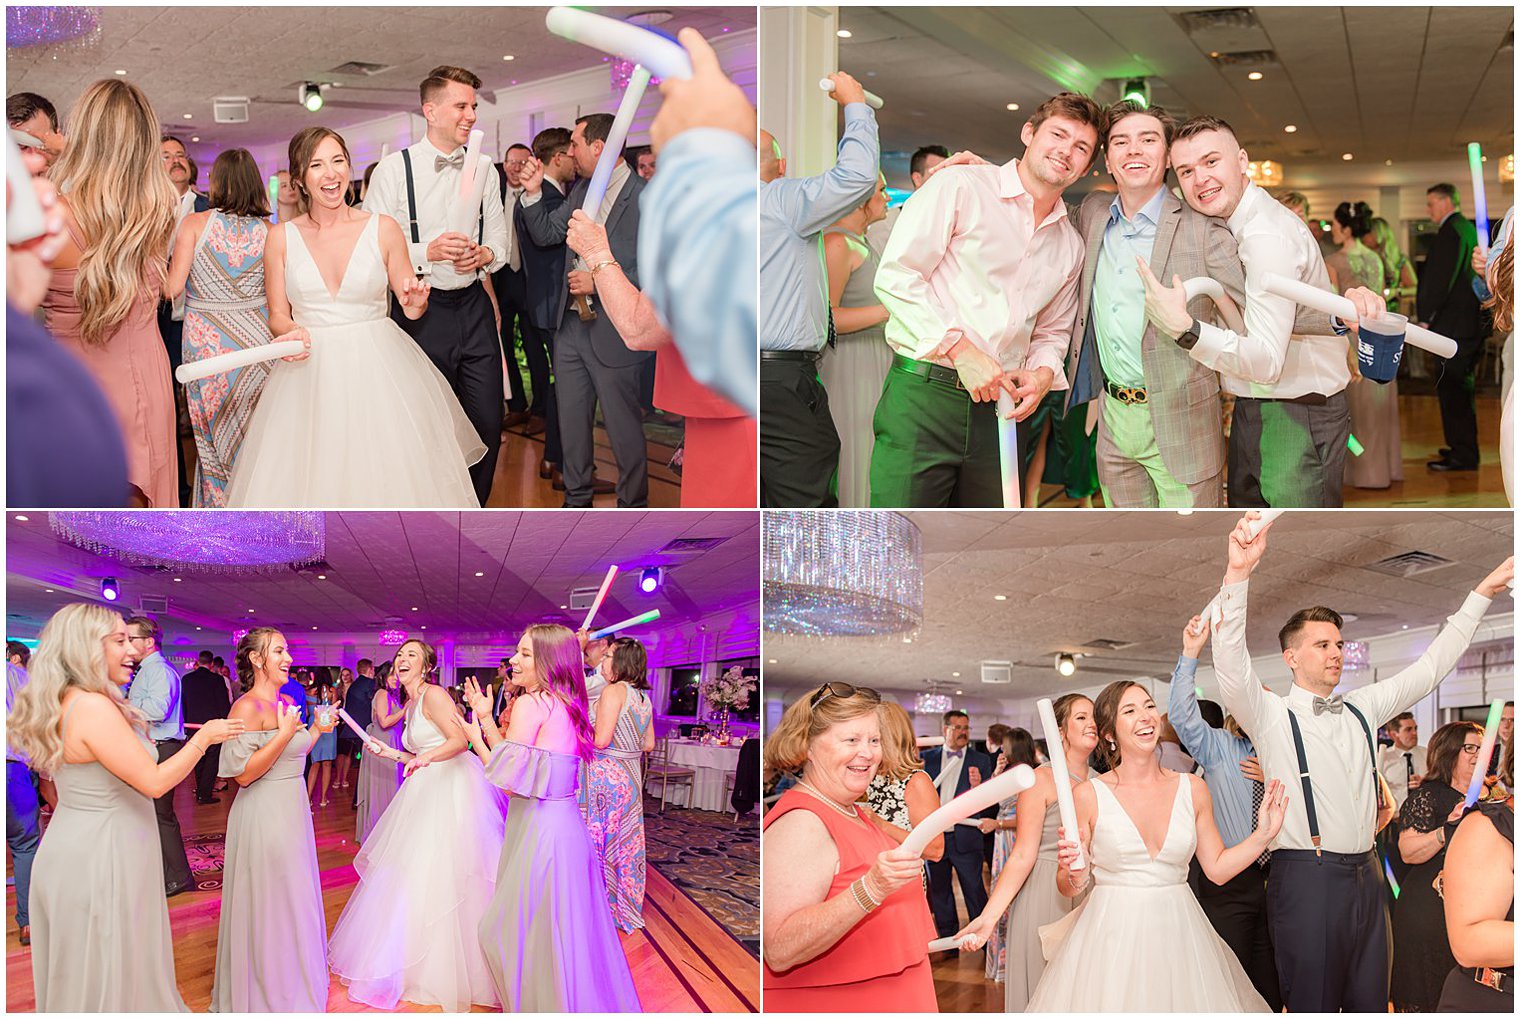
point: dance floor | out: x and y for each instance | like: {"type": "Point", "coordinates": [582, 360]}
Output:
{"type": "Point", "coordinates": [683, 961]}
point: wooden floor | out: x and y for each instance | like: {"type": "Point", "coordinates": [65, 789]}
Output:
{"type": "Point", "coordinates": [1420, 435]}
{"type": "Point", "coordinates": [682, 961]}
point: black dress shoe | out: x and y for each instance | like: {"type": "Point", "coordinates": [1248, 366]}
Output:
{"type": "Point", "coordinates": [173, 890]}
{"type": "Point", "coordinates": [546, 469]}
{"type": "Point", "coordinates": [1445, 465]}
{"type": "Point", "coordinates": [26, 935]}
{"type": "Point", "coordinates": [208, 799]}
{"type": "Point", "coordinates": [1444, 452]}
{"type": "Point", "coordinates": [514, 418]}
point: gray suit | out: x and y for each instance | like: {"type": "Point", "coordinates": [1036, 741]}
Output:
{"type": "Point", "coordinates": [1182, 395]}
{"type": "Point", "coordinates": [591, 362]}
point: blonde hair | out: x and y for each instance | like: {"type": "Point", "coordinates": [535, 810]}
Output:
{"type": "Point", "coordinates": [787, 748]}
{"type": "Point", "coordinates": [112, 175]}
{"type": "Point", "coordinates": [899, 747]}
{"type": "Point", "coordinates": [70, 653]}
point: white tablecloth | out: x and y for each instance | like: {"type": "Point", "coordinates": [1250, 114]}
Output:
{"type": "Point", "coordinates": [712, 764]}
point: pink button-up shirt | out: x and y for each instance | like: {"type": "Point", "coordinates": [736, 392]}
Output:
{"type": "Point", "coordinates": [967, 258]}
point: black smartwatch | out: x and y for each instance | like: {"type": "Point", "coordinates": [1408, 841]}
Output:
{"type": "Point", "coordinates": [1189, 338]}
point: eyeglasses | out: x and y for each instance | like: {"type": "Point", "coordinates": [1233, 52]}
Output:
{"type": "Point", "coordinates": [518, 163]}
{"type": "Point", "coordinates": [137, 636]}
{"type": "Point", "coordinates": [1471, 748]}
{"type": "Point", "coordinates": [828, 690]}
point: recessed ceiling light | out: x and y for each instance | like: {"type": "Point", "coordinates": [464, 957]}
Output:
{"type": "Point", "coordinates": [1000, 597]}
{"type": "Point", "coordinates": [955, 674]}
{"type": "Point", "coordinates": [1404, 627]}
{"type": "Point", "coordinates": [1348, 157]}
{"type": "Point", "coordinates": [321, 576]}
{"type": "Point", "coordinates": [1254, 76]}
{"type": "Point", "coordinates": [959, 693]}
{"type": "Point", "coordinates": [1013, 106]}
{"type": "Point", "coordinates": [423, 628]}
{"type": "Point", "coordinates": [1290, 128]}
{"type": "Point", "coordinates": [189, 116]}
{"type": "Point", "coordinates": [313, 627]}
{"type": "Point", "coordinates": [508, 56]}
{"type": "Point", "coordinates": [195, 137]}
{"type": "Point", "coordinates": [907, 640]}
{"type": "Point", "coordinates": [179, 580]}
{"type": "Point", "coordinates": [250, 611]}
{"type": "Point", "coordinates": [564, 606]}
{"type": "Point", "coordinates": [479, 574]}
{"type": "Point", "coordinates": [197, 627]}
{"type": "Point", "coordinates": [843, 33]}
{"type": "Point", "coordinates": [771, 661]}
{"type": "Point", "coordinates": [414, 608]}
{"type": "Point", "coordinates": [1387, 162]}
{"type": "Point", "coordinates": [22, 518]}
{"type": "Point", "coordinates": [49, 590]}
{"type": "Point", "coordinates": [119, 71]}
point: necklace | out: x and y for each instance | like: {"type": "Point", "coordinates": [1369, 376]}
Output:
{"type": "Point", "coordinates": [810, 788]}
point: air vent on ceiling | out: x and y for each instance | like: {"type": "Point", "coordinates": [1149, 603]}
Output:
{"type": "Point", "coordinates": [997, 672]}
{"type": "Point", "coordinates": [153, 603]}
{"type": "Point", "coordinates": [1409, 564]}
{"type": "Point", "coordinates": [582, 597]}
{"type": "Point", "coordinates": [1105, 644]}
{"type": "Point", "coordinates": [691, 546]}
{"type": "Point", "coordinates": [230, 109]}
{"type": "Point", "coordinates": [1246, 58]}
{"type": "Point", "coordinates": [1226, 19]}
{"type": "Point", "coordinates": [361, 67]}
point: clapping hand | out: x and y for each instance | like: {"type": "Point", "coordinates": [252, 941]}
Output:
{"type": "Point", "coordinates": [471, 729]}
{"type": "Point", "coordinates": [476, 698]}
{"type": "Point", "coordinates": [298, 333]}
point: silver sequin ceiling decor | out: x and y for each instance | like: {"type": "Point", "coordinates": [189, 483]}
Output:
{"type": "Point", "coordinates": [846, 573]}
{"type": "Point", "coordinates": [227, 541]}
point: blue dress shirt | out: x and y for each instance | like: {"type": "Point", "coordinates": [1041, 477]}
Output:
{"type": "Point", "coordinates": [697, 257]}
{"type": "Point", "coordinates": [794, 296]}
{"type": "Point", "coordinates": [1118, 298]}
{"type": "Point", "coordinates": [1217, 752]}
{"type": "Point", "coordinates": [155, 692]}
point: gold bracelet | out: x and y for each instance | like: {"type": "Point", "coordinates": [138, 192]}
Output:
{"type": "Point", "coordinates": [862, 897]}
{"type": "Point", "coordinates": [598, 267]}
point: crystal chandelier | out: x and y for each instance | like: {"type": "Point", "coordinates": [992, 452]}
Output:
{"type": "Point", "coordinates": [227, 541]}
{"type": "Point", "coordinates": [847, 573]}
{"type": "Point", "coordinates": [392, 638]}
{"type": "Point", "coordinates": [931, 703]}
{"type": "Point", "coordinates": [71, 27]}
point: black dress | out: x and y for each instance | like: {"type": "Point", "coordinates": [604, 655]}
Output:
{"type": "Point", "coordinates": [1462, 993]}
{"type": "Point", "coordinates": [1421, 954]}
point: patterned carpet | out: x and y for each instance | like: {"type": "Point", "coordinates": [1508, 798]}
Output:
{"type": "Point", "coordinates": [712, 858]}
{"type": "Point", "coordinates": [207, 854]}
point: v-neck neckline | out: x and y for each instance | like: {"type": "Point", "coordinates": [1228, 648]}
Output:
{"type": "Point", "coordinates": [1171, 816]}
{"type": "Point", "coordinates": [347, 264]}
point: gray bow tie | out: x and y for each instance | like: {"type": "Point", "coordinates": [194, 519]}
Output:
{"type": "Point", "coordinates": [456, 161]}
{"type": "Point", "coordinates": [1335, 705]}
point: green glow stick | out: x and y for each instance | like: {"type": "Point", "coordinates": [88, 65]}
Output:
{"type": "Point", "coordinates": [1486, 754]}
{"type": "Point", "coordinates": [647, 617]}
{"type": "Point", "coordinates": [1480, 194]}
{"type": "Point", "coordinates": [1354, 446]}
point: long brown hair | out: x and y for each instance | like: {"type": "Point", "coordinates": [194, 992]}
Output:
{"type": "Point", "coordinates": [255, 641]}
{"type": "Point", "coordinates": [562, 675]}
{"type": "Point", "coordinates": [1106, 714]}
{"type": "Point", "coordinates": [302, 147]}
{"type": "Point", "coordinates": [112, 175]}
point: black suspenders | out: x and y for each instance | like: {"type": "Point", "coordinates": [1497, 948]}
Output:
{"type": "Point", "coordinates": [1303, 770]}
{"type": "Point", "coordinates": [411, 202]}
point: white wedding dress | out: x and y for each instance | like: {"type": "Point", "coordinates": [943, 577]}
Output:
{"type": "Point", "coordinates": [366, 420]}
{"type": "Point", "coordinates": [411, 929]}
{"type": "Point", "coordinates": [1141, 943]}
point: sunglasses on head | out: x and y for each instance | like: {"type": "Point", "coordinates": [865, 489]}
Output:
{"type": "Point", "coordinates": [828, 690]}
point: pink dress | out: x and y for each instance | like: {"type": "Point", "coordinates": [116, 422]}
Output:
{"type": "Point", "coordinates": [132, 369]}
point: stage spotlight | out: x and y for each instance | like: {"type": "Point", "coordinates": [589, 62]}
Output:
{"type": "Point", "coordinates": [1066, 665]}
{"type": "Point", "coordinates": [1136, 90]}
{"type": "Point", "coordinates": [310, 96]}
{"type": "Point", "coordinates": [651, 578]}
{"type": "Point", "coordinates": [109, 589]}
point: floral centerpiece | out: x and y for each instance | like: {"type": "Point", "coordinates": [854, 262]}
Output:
{"type": "Point", "coordinates": [726, 693]}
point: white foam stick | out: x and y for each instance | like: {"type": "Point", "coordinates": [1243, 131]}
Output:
{"type": "Point", "coordinates": [1064, 802]}
{"type": "Point", "coordinates": [348, 720]}
{"type": "Point", "coordinates": [1203, 286]}
{"type": "Point", "coordinates": [465, 205]}
{"type": "Point", "coordinates": [1333, 304]}
{"type": "Point", "coordinates": [950, 944]}
{"type": "Point", "coordinates": [873, 100]}
{"type": "Point", "coordinates": [1008, 450]}
{"type": "Point", "coordinates": [612, 149]}
{"type": "Point", "coordinates": [664, 57]}
{"type": "Point", "coordinates": [970, 822]}
{"type": "Point", "coordinates": [209, 366]}
{"type": "Point", "coordinates": [600, 595]}
{"type": "Point", "coordinates": [973, 801]}
{"type": "Point", "coordinates": [23, 212]}
{"type": "Point", "coordinates": [929, 741]}
{"type": "Point", "coordinates": [1212, 612]}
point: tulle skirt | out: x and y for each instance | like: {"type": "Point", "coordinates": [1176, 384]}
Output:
{"type": "Point", "coordinates": [411, 928]}
{"type": "Point", "coordinates": [1141, 949]}
{"type": "Point", "coordinates": [366, 420]}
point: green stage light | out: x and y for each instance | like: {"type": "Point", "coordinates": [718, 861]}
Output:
{"type": "Point", "coordinates": [1136, 90]}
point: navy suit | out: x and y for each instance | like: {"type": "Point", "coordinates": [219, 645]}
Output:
{"type": "Point", "coordinates": [543, 273]}
{"type": "Point", "coordinates": [1446, 301]}
{"type": "Point", "coordinates": [963, 849]}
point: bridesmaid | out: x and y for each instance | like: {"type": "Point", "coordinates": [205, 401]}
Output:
{"type": "Point", "coordinates": [1028, 879]}
{"type": "Point", "coordinates": [271, 946]}
{"type": "Point", "coordinates": [379, 776]}
{"type": "Point", "coordinates": [547, 934]}
{"type": "Point", "coordinates": [614, 796]}
{"type": "Point", "coordinates": [100, 923]}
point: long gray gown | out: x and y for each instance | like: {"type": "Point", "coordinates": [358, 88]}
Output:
{"type": "Point", "coordinates": [379, 779]}
{"type": "Point", "coordinates": [100, 922]}
{"type": "Point", "coordinates": [548, 933]}
{"type": "Point", "coordinates": [271, 943]}
{"type": "Point", "coordinates": [1038, 903]}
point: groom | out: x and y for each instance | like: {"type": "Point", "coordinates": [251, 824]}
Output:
{"type": "Point", "coordinates": [415, 187]}
{"type": "Point", "coordinates": [1325, 900]}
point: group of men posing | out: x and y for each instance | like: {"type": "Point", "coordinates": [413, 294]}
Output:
{"type": "Point", "coordinates": [993, 286]}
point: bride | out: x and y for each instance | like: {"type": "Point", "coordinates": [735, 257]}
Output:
{"type": "Point", "coordinates": [410, 930]}
{"type": "Point", "coordinates": [362, 417]}
{"type": "Point", "coordinates": [1142, 943]}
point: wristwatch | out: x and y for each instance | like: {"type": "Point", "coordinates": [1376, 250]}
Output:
{"type": "Point", "coordinates": [1189, 338]}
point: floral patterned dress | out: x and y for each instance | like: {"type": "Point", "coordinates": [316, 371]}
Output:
{"type": "Point", "coordinates": [225, 310]}
{"type": "Point", "coordinates": [614, 809]}
{"type": "Point", "coordinates": [1002, 848]}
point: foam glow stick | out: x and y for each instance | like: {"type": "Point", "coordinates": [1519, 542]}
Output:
{"type": "Point", "coordinates": [1333, 304]}
{"type": "Point", "coordinates": [664, 57]}
{"type": "Point", "coordinates": [236, 359]}
{"type": "Point", "coordinates": [929, 741]}
{"type": "Point", "coordinates": [1485, 753]}
{"type": "Point", "coordinates": [1064, 802]}
{"type": "Point", "coordinates": [348, 720]}
{"type": "Point", "coordinates": [646, 617]}
{"type": "Point", "coordinates": [466, 202]}
{"type": "Point", "coordinates": [612, 149]}
{"type": "Point", "coordinates": [1203, 286]}
{"type": "Point", "coordinates": [1357, 449]}
{"type": "Point", "coordinates": [1393, 883]}
{"type": "Point", "coordinates": [873, 100]}
{"type": "Point", "coordinates": [1480, 194]}
{"type": "Point", "coordinates": [973, 801]}
{"type": "Point", "coordinates": [1212, 612]}
{"type": "Point", "coordinates": [274, 193]}
{"type": "Point", "coordinates": [1008, 450]}
{"type": "Point", "coordinates": [949, 944]}
{"type": "Point", "coordinates": [600, 595]}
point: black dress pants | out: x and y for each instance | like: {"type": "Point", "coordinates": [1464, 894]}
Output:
{"type": "Point", "coordinates": [799, 446]}
{"type": "Point", "coordinates": [1330, 931]}
{"type": "Point", "coordinates": [176, 863]}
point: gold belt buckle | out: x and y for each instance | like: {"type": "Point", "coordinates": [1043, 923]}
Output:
{"type": "Point", "coordinates": [1132, 395]}
{"type": "Point", "coordinates": [1490, 978]}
